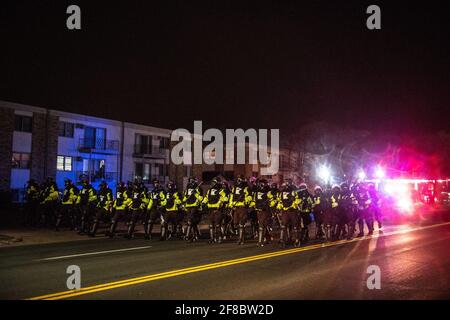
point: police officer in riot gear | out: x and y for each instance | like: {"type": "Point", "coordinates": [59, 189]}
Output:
{"type": "Point", "coordinates": [240, 198]}
{"type": "Point", "coordinates": [120, 206]}
{"type": "Point", "coordinates": [263, 201]}
{"type": "Point", "coordinates": [171, 206]}
{"type": "Point", "coordinates": [347, 211]}
{"type": "Point", "coordinates": [67, 205]}
{"type": "Point", "coordinates": [335, 200]}
{"type": "Point", "coordinates": [103, 208]}
{"type": "Point", "coordinates": [305, 207]}
{"type": "Point", "coordinates": [154, 210]}
{"type": "Point", "coordinates": [228, 228]}
{"type": "Point", "coordinates": [375, 205]}
{"type": "Point", "coordinates": [276, 215]}
{"type": "Point", "coordinates": [87, 200]}
{"type": "Point", "coordinates": [319, 207]}
{"type": "Point", "coordinates": [364, 212]}
{"type": "Point", "coordinates": [49, 201]}
{"type": "Point", "coordinates": [136, 207]}
{"type": "Point", "coordinates": [288, 202]}
{"type": "Point", "coordinates": [192, 200]}
{"type": "Point", "coordinates": [214, 200]}
{"type": "Point", "coordinates": [252, 213]}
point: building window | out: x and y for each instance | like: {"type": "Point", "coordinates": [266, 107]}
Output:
{"type": "Point", "coordinates": [20, 160]}
{"type": "Point", "coordinates": [66, 129]}
{"type": "Point", "coordinates": [164, 143]}
{"type": "Point", "coordinates": [64, 163]}
{"type": "Point", "coordinates": [22, 123]}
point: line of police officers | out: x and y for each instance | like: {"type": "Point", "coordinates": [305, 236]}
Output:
{"type": "Point", "coordinates": [336, 211]}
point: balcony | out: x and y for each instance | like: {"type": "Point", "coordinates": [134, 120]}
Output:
{"type": "Point", "coordinates": [96, 175]}
{"type": "Point", "coordinates": [98, 146]}
{"type": "Point", "coordinates": [148, 151]}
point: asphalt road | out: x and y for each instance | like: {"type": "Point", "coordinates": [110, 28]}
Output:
{"type": "Point", "coordinates": [413, 259]}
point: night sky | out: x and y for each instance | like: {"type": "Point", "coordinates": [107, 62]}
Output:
{"type": "Point", "coordinates": [240, 64]}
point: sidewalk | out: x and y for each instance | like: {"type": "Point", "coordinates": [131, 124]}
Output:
{"type": "Point", "coordinates": [29, 236]}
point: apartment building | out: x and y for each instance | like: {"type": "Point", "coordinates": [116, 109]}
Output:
{"type": "Point", "coordinates": [37, 143]}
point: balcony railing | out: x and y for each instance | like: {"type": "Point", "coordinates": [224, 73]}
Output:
{"type": "Point", "coordinates": [148, 150]}
{"type": "Point", "coordinates": [100, 145]}
{"type": "Point", "coordinates": [96, 175]}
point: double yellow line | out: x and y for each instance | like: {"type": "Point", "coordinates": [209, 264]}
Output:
{"type": "Point", "coordinates": [179, 272]}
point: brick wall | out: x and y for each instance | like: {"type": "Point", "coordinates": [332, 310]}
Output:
{"type": "Point", "coordinates": [44, 146]}
{"type": "Point", "coordinates": [6, 139]}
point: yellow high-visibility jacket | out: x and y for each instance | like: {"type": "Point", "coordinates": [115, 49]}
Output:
{"type": "Point", "coordinates": [240, 197]}
{"type": "Point", "coordinates": [51, 194]}
{"type": "Point", "coordinates": [70, 195]}
{"type": "Point", "coordinates": [192, 198]}
{"type": "Point", "coordinates": [171, 201]}
{"type": "Point", "coordinates": [215, 198]}
{"type": "Point", "coordinates": [122, 200]}
{"type": "Point", "coordinates": [288, 200]}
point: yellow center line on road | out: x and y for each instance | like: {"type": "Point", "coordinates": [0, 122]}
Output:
{"type": "Point", "coordinates": [221, 264]}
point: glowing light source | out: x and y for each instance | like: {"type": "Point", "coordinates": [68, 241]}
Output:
{"type": "Point", "coordinates": [324, 173]}
{"type": "Point", "coordinates": [361, 175]}
{"type": "Point", "coordinates": [405, 204]}
{"type": "Point", "coordinates": [379, 172]}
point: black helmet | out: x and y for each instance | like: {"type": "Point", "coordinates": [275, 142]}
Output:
{"type": "Point", "coordinates": [103, 185]}
{"type": "Point", "coordinates": [240, 179]}
{"type": "Point", "coordinates": [263, 183]}
{"type": "Point", "coordinates": [85, 182]}
{"type": "Point", "coordinates": [192, 182]}
{"type": "Point", "coordinates": [121, 184]}
{"type": "Point", "coordinates": [216, 181]}
{"type": "Point", "coordinates": [67, 182]}
{"type": "Point", "coordinates": [171, 186]}
{"type": "Point", "coordinates": [286, 186]}
{"type": "Point", "coordinates": [344, 186]}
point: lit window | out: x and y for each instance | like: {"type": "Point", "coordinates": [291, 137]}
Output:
{"type": "Point", "coordinates": [64, 163]}
{"type": "Point", "coordinates": [20, 160]}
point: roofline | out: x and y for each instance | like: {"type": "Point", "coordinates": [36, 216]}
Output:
{"type": "Point", "coordinates": [82, 117]}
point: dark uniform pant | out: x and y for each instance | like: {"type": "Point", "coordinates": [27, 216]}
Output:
{"type": "Point", "coordinates": [240, 217]}
{"type": "Point", "coordinates": [66, 211]}
{"type": "Point", "coordinates": [264, 221]}
{"type": "Point", "coordinates": [135, 215]}
{"type": "Point", "coordinates": [193, 216]}
{"type": "Point", "coordinates": [87, 211]}
{"type": "Point", "coordinates": [47, 212]}
{"type": "Point", "coordinates": [101, 214]}
{"type": "Point", "coordinates": [215, 218]}
{"type": "Point", "coordinates": [304, 225]}
{"type": "Point", "coordinates": [118, 214]}
{"type": "Point", "coordinates": [319, 220]}
{"type": "Point", "coordinates": [289, 218]}
{"type": "Point", "coordinates": [151, 217]}
{"type": "Point", "coordinates": [367, 216]}
{"type": "Point", "coordinates": [170, 219]}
